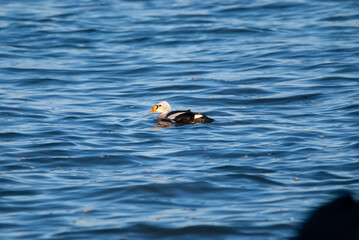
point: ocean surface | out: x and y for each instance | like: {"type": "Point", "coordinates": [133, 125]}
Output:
{"type": "Point", "coordinates": [81, 158]}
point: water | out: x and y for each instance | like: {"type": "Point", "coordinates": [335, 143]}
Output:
{"type": "Point", "coordinates": [81, 158]}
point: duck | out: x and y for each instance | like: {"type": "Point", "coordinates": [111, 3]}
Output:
{"type": "Point", "coordinates": [178, 117]}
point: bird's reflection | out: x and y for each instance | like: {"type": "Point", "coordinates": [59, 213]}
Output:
{"type": "Point", "coordinates": [166, 124]}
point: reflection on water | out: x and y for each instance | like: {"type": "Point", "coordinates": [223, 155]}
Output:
{"type": "Point", "coordinates": [166, 124]}
{"type": "Point", "coordinates": [161, 123]}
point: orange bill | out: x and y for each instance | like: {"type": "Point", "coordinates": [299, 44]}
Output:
{"type": "Point", "coordinates": [153, 109]}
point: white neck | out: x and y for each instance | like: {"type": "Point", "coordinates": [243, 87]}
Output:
{"type": "Point", "coordinates": [162, 115]}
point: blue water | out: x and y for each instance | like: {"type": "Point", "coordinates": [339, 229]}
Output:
{"type": "Point", "coordinates": [81, 158]}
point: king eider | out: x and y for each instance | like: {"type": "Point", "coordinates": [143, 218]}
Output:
{"type": "Point", "coordinates": [179, 117]}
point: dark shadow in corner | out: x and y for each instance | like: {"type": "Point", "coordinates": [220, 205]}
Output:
{"type": "Point", "coordinates": [338, 219]}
